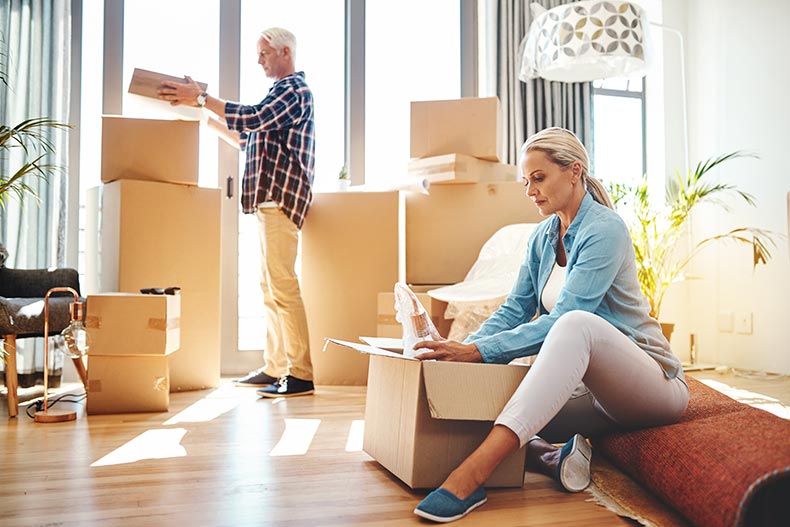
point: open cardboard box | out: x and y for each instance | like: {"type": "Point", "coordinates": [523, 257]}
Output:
{"type": "Point", "coordinates": [422, 419]}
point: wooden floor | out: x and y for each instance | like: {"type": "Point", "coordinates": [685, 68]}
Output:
{"type": "Point", "coordinates": [225, 457]}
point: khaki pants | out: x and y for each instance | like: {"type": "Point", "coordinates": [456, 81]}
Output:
{"type": "Point", "coordinates": [287, 341]}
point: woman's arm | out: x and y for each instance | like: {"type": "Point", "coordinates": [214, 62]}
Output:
{"type": "Point", "coordinates": [598, 258]}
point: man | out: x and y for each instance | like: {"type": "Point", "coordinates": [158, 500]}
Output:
{"type": "Point", "coordinates": [277, 137]}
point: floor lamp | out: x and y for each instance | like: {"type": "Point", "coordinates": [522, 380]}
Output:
{"type": "Point", "coordinates": [597, 39]}
{"type": "Point", "coordinates": [77, 344]}
{"type": "Point", "coordinates": [591, 40]}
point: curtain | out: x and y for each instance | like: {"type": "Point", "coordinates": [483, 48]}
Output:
{"type": "Point", "coordinates": [529, 107]}
{"type": "Point", "coordinates": [35, 38]}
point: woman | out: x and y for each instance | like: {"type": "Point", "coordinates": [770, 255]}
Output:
{"type": "Point", "coordinates": [592, 327]}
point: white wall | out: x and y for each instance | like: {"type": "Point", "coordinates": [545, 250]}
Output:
{"type": "Point", "coordinates": [738, 72]}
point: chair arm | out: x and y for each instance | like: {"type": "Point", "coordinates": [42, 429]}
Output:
{"type": "Point", "coordinates": [31, 283]}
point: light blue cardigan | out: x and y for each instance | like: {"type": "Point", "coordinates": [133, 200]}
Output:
{"type": "Point", "coordinates": [601, 278]}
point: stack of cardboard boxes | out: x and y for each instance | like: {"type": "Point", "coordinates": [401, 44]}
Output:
{"type": "Point", "coordinates": [150, 225]}
{"type": "Point", "coordinates": [131, 336]}
{"type": "Point", "coordinates": [421, 418]}
{"type": "Point", "coordinates": [455, 144]}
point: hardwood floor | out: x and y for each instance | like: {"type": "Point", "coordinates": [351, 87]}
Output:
{"type": "Point", "coordinates": [225, 457]}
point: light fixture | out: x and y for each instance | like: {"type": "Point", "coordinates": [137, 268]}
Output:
{"type": "Point", "coordinates": [584, 41]}
{"type": "Point", "coordinates": [591, 40]}
{"type": "Point", "coordinates": [77, 344]}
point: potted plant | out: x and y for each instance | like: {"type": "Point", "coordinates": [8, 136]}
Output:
{"type": "Point", "coordinates": [656, 232]}
{"type": "Point", "coordinates": [343, 178]}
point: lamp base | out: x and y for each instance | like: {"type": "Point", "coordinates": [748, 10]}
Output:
{"type": "Point", "coordinates": [54, 416]}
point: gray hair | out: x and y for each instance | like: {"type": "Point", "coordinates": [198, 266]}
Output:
{"type": "Point", "coordinates": [564, 148]}
{"type": "Point", "coordinates": [280, 38]}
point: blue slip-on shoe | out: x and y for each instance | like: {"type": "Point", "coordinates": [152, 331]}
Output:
{"type": "Point", "coordinates": [574, 467]}
{"type": "Point", "coordinates": [443, 506]}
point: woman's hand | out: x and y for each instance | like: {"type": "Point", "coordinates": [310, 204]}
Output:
{"type": "Point", "coordinates": [448, 350]}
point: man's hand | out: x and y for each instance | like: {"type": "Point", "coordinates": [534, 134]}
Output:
{"type": "Point", "coordinates": [448, 350]}
{"type": "Point", "coordinates": [180, 92]}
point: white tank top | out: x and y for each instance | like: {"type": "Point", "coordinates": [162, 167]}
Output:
{"type": "Point", "coordinates": [553, 287]}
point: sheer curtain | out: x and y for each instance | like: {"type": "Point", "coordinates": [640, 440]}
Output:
{"type": "Point", "coordinates": [528, 107]}
{"type": "Point", "coordinates": [36, 44]}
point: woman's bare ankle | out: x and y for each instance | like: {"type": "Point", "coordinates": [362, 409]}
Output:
{"type": "Point", "coordinates": [461, 483]}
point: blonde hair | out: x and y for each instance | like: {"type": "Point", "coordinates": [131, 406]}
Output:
{"type": "Point", "coordinates": [280, 38]}
{"type": "Point", "coordinates": [564, 148]}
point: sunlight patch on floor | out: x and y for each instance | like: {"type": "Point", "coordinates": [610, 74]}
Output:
{"type": "Point", "coordinates": [296, 438]}
{"type": "Point", "coordinates": [151, 444]}
{"type": "Point", "coordinates": [218, 402]}
{"type": "Point", "coordinates": [355, 435]}
{"type": "Point", "coordinates": [758, 400]}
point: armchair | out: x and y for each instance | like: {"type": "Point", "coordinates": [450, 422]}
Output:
{"type": "Point", "coordinates": [22, 293]}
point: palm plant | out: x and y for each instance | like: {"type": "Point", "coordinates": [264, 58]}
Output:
{"type": "Point", "coordinates": [28, 137]}
{"type": "Point", "coordinates": [656, 232]}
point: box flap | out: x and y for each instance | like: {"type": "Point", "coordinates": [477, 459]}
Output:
{"type": "Point", "coordinates": [370, 350]}
{"type": "Point", "coordinates": [470, 391]}
{"type": "Point", "coordinates": [385, 343]}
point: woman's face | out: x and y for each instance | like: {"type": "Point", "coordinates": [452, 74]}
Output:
{"type": "Point", "coordinates": [549, 186]}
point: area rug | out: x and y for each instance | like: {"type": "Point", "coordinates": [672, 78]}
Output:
{"type": "Point", "coordinates": [724, 464]}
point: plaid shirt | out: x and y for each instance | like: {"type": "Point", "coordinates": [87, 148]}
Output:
{"type": "Point", "coordinates": [277, 135]}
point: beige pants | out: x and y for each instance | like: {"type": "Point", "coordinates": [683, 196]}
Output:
{"type": "Point", "coordinates": [287, 341]}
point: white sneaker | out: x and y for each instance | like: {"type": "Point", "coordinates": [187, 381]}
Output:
{"type": "Point", "coordinates": [574, 468]}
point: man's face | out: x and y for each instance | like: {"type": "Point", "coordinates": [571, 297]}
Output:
{"type": "Point", "coordinates": [270, 60]}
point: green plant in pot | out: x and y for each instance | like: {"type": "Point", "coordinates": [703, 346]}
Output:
{"type": "Point", "coordinates": [656, 231]}
{"type": "Point", "coordinates": [343, 178]}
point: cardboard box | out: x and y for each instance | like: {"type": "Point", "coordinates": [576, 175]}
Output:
{"type": "Point", "coordinates": [147, 83]}
{"type": "Point", "coordinates": [350, 252]}
{"type": "Point", "coordinates": [160, 235]}
{"type": "Point", "coordinates": [459, 169]}
{"type": "Point", "coordinates": [388, 326]}
{"type": "Point", "coordinates": [446, 229]}
{"type": "Point", "coordinates": [422, 419]}
{"type": "Point", "coordinates": [149, 150]}
{"type": "Point", "coordinates": [134, 324]}
{"type": "Point", "coordinates": [126, 384]}
{"type": "Point", "coordinates": [460, 126]}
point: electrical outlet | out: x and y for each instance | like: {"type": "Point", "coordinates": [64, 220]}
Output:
{"type": "Point", "coordinates": [743, 322]}
{"type": "Point", "coordinates": [726, 323]}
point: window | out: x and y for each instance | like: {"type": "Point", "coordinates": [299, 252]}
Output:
{"type": "Point", "coordinates": [173, 42]}
{"type": "Point", "coordinates": [618, 130]}
{"type": "Point", "coordinates": [412, 53]}
{"type": "Point", "coordinates": [320, 53]}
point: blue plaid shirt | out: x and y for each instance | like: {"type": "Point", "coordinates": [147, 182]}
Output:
{"type": "Point", "coordinates": [278, 138]}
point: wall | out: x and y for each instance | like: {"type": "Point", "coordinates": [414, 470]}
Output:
{"type": "Point", "coordinates": [738, 75]}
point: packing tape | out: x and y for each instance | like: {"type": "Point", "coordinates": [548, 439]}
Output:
{"type": "Point", "coordinates": [162, 324]}
{"type": "Point", "coordinates": [161, 384]}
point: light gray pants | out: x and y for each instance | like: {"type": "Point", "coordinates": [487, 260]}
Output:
{"type": "Point", "coordinates": [623, 387]}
